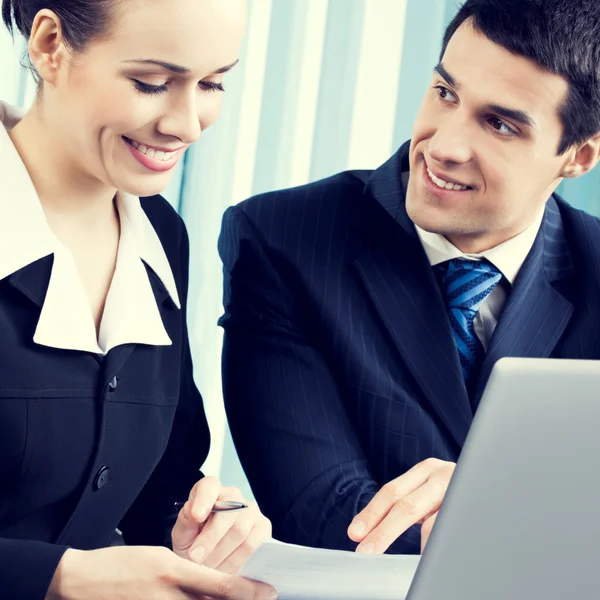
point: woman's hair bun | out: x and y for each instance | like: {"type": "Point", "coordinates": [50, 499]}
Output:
{"type": "Point", "coordinates": [14, 13]}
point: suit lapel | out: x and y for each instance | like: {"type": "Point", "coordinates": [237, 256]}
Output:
{"type": "Point", "coordinates": [32, 281]}
{"type": "Point", "coordinates": [400, 283]}
{"type": "Point", "coordinates": [536, 313]}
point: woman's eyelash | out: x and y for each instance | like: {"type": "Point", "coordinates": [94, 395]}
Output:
{"type": "Point", "coordinates": [211, 86]}
{"type": "Point", "coordinates": [152, 90]}
{"type": "Point", "coordinates": [146, 88]}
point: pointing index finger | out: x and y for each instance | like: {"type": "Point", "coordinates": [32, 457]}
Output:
{"type": "Point", "coordinates": [381, 504]}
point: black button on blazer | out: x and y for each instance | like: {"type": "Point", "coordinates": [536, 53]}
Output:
{"type": "Point", "coordinates": [89, 443]}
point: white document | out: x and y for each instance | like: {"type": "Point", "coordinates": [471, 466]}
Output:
{"type": "Point", "coordinates": [299, 573]}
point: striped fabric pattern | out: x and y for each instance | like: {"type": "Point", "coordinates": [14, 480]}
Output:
{"type": "Point", "coordinates": [340, 369]}
{"type": "Point", "coordinates": [466, 284]}
{"type": "Point", "coordinates": [322, 86]}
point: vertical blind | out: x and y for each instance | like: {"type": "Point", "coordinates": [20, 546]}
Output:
{"type": "Point", "coordinates": [322, 86]}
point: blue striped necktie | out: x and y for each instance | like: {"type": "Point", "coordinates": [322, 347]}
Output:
{"type": "Point", "coordinates": [466, 284]}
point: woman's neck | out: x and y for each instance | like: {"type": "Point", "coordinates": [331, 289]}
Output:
{"type": "Point", "coordinates": [65, 192]}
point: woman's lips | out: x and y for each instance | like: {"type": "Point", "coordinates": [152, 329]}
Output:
{"type": "Point", "coordinates": [154, 160]}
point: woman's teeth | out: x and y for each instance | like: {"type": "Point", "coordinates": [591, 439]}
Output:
{"type": "Point", "coordinates": [445, 185]}
{"type": "Point", "coordinates": [159, 155]}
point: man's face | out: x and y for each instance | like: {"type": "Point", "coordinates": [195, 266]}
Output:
{"type": "Point", "coordinates": [489, 122]}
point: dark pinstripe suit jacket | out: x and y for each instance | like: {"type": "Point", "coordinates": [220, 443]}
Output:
{"type": "Point", "coordinates": [340, 371]}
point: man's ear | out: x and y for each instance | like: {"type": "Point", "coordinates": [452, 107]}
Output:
{"type": "Point", "coordinates": [586, 157]}
{"type": "Point", "coordinates": [46, 46]}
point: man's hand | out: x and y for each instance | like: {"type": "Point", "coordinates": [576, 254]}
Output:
{"type": "Point", "coordinates": [426, 530]}
{"type": "Point", "coordinates": [412, 498]}
{"type": "Point", "coordinates": [222, 541]}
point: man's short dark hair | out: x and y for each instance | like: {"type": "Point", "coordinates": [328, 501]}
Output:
{"type": "Point", "coordinates": [562, 36]}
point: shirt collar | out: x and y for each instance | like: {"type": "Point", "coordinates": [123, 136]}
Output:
{"type": "Point", "coordinates": [131, 314]}
{"type": "Point", "coordinates": [147, 242]}
{"type": "Point", "coordinates": [507, 257]}
{"type": "Point", "coordinates": [24, 232]}
{"type": "Point", "coordinates": [23, 225]}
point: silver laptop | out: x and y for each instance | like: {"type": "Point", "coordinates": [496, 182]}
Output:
{"type": "Point", "coordinates": [521, 518]}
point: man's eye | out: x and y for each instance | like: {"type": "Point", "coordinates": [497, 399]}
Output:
{"type": "Point", "coordinates": [445, 94]}
{"type": "Point", "coordinates": [501, 127]}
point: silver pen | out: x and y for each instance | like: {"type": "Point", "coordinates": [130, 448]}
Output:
{"type": "Point", "coordinates": [219, 506]}
{"type": "Point", "coordinates": [227, 506]}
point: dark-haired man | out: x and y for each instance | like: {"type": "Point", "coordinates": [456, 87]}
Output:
{"type": "Point", "coordinates": [365, 312]}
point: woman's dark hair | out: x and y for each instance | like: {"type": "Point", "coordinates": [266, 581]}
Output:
{"type": "Point", "coordinates": [562, 36]}
{"type": "Point", "coordinates": [82, 20]}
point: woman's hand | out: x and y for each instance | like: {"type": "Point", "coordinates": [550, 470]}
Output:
{"type": "Point", "coordinates": [223, 541]}
{"type": "Point", "coordinates": [142, 572]}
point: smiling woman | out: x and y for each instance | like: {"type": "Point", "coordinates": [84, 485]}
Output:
{"type": "Point", "coordinates": [101, 425]}
{"type": "Point", "coordinates": [106, 83]}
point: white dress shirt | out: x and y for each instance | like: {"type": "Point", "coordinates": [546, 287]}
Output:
{"type": "Point", "coordinates": [508, 258]}
{"type": "Point", "coordinates": [130, 315]}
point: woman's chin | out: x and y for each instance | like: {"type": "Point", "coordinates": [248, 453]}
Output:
{"type": "Point", "coordinates": [139, 187]}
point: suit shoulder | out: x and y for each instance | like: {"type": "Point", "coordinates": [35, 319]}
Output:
{"type": "Point", "coordinates": [581, 226]}
{"type": "Point", "coordinates": [307, 218]}
{"type": "Point", "coordinates": [322, 194]}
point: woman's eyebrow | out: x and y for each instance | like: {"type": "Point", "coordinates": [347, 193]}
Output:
{"type": "Point", "coordinates": [177, 68]}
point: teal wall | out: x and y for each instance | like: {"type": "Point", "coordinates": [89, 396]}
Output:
{"type": "Point", "coordinates": [253, 147]}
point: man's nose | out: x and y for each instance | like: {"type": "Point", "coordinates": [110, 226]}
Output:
{"type": "Point", "coordinates": [450, 143]}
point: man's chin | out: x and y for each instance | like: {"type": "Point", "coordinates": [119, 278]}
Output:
{"type": "Point", "coordinates": [432, 221]}
{"type": "Point", "coordinates": [425, 217]}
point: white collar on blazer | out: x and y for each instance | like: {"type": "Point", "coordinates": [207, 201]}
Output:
{"type": "Point", "coordinates": [130, 314]}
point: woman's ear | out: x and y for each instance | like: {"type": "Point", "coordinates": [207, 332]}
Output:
{"type": "Point", "coordinates": [47, 50]}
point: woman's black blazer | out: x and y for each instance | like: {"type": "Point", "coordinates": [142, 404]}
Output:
{"type": "Point", "coordinates": [89, 443]}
